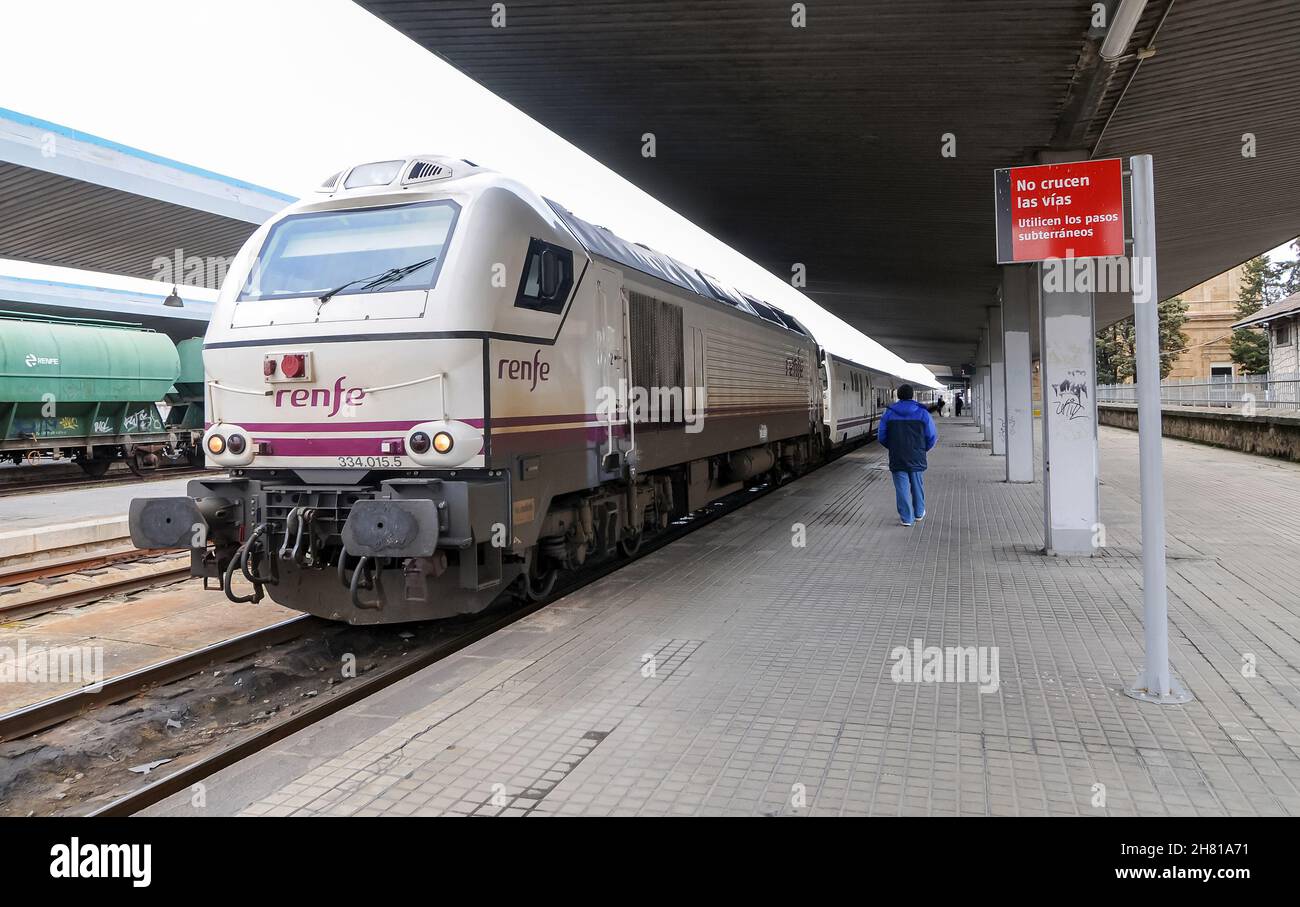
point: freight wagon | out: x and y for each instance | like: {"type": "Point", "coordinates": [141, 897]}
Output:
{"type": "Point", "coordinates": [89, 390]}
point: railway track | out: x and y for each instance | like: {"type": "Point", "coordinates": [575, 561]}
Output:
{"type": "Point", "coordinates": [51, 712]}
{"type": "Point", "coordinates": [59, 599]}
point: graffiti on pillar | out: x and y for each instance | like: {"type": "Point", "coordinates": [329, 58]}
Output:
{"type": "Point", "coordinates": [1070, 393]}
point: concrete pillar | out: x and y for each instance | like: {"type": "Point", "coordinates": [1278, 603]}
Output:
{"type": "Point", "coordinates": [997, 385]}
{"type": "Point", "coordinates": [982, 410]}
{"type": "Point", "coordinates": [1072, 510]}
{"type": "Point", "coordinates": [1017, 286]}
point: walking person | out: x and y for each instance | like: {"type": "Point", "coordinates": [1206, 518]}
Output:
{"type": "Point", "coordinates": [938, 407]}
{"type": "Point", "coordinates": [957, 405]}
{"type": "Point", "coordinates": [908, 432]}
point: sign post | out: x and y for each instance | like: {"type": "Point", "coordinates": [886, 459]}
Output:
{"type": "Point", "coordinates": [1076, 210]}
{"type": "Point", "coordinates": [1155, 682]}
{"type": "Point", "coordinates": [1063, 211]}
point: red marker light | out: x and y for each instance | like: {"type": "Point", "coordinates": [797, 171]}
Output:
{"type": "Point", "coordinates": [293, 365]}
{"type": "Point", "coordinates": [268, 367]}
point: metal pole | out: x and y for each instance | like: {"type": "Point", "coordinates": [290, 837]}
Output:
{"type": "Point", "coordinates": [1155, 682]}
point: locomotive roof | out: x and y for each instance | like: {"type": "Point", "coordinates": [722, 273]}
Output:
{"type": "Point", "coordinates": [856, 364]}
{"type": "Point", "coordinates": [608, 244]}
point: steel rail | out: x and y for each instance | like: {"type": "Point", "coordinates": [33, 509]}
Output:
{"type": "Point", "coordinates": [86, 594]}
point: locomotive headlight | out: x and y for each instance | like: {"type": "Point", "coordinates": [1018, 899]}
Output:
{"type": "Point", "coordinates": [229, 445]}
{"type": "Point", "coordinates": [443, 444]}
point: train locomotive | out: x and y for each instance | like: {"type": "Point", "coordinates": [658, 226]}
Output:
{"type": "Point", "coordinates": [431, 386]}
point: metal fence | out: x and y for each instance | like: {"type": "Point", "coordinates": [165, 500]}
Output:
{"type": "Point", "coordinates": [1232, 391]}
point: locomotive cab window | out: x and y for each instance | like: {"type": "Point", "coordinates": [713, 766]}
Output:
{"type": "Point", "coordinates": [547, 277]}
{"type": "Point", "coordinates": [358, 250]}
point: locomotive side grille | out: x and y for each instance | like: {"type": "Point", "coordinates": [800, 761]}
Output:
{"type": "Point", "coordinates": [656, 342]}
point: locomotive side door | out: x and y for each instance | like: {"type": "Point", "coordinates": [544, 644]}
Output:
{"type": "Point", "coordinates": [614, 369]}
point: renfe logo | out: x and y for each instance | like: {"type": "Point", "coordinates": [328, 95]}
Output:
{"type": "Point", "coordinates": [523, 370]}
{"type": "Point", "coordinates": [334, 398]}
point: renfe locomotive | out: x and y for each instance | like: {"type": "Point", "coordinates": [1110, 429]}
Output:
{"type": "Point", "coordinates": [430, 387]}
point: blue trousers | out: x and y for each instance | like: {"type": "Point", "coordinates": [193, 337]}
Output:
{"type": "Point", "coordinates": [909, 489]}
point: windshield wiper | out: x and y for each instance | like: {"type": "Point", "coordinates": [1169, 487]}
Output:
{"type": "Point", "coordinates": [395, 274]}
{"type": "Point", "coordinates": [374, 281]}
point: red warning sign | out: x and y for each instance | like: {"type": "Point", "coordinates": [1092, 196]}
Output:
{"type": "Point", "coordinates": [1073, 210]}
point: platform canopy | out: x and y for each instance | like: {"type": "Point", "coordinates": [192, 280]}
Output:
{"type": "Point", "coordinates": [76, 200]}
{"type": "Point", "coordinates": [823, 144]}
{"type": "Point", "coordinates": [24, 295]}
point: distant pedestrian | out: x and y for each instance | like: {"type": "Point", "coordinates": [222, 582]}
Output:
{"type": "Point", "coordinates": [907, 430]}
{"type": "Point", "coordinates": [939, 406]}
{"type": "Point", "coordinates": [957, 406]}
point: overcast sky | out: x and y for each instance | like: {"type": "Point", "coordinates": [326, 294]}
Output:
{"type": "Point", "coordinates": [284, 92]}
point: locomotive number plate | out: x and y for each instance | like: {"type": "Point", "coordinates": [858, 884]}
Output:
{"type": "Point", "coordinates": [373, 462]}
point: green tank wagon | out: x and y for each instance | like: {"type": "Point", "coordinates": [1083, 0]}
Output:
{"type": "Point", "coordinates": [90, 389]}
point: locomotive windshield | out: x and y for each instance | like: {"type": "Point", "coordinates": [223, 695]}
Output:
{"type": "Point", "coordinates": [333, 252]}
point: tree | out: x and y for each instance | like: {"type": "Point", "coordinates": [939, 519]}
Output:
{"type": "Point", "coordinates": [1292, 269]}
{"type": "Point", "coordinates": [1115, 353]}
{"type": "Point", "coordinates": [1116, 358]}
{"type": "Point", "coordinates": [1173, 315]}
{"type": "Point", "coordinates": [1261, 284]}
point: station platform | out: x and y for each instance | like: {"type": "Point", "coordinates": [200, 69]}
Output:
{"type": "Point", "coordinates": [40, 521]}
{"type": "Point", "coordinates": [736, 673]}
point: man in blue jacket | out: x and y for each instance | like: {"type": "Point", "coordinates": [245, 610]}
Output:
{"type": "Point", "coordinates": [907, 430]}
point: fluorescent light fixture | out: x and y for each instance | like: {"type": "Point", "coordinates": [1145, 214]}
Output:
{"type": "Point", "coordinates": [1124, 20]}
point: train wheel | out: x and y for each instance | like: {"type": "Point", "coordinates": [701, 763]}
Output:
{"type": "Point", "coordinates": [537, 588]}
{"type": "Point", "coordinates": [630, 545]}
{"type": "Point", "coordinates": [95, 467]}
{"type": "Point", "coordinates": [142, 464]}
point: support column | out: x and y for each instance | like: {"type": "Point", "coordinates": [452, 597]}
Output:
{"type": "Point", "coordinates": [1071, 505]}
{"type": "Point", "coordinates": [997, 386]}
{"type": "Point", "coordinates": [1017, 285]}
{"type": "Point", "coordinates": [983, 415]}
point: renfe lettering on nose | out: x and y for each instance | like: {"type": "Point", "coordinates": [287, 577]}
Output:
{"type": "Point", "coordinates": [333, 398]}
{"type": "Point", "coordinates": [523, 370]}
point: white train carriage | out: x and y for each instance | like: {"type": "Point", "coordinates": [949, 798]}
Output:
{"type": "Point", "coordinates": [855, 397]}
{"type": "Point", "coordinates": [429, 384]}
